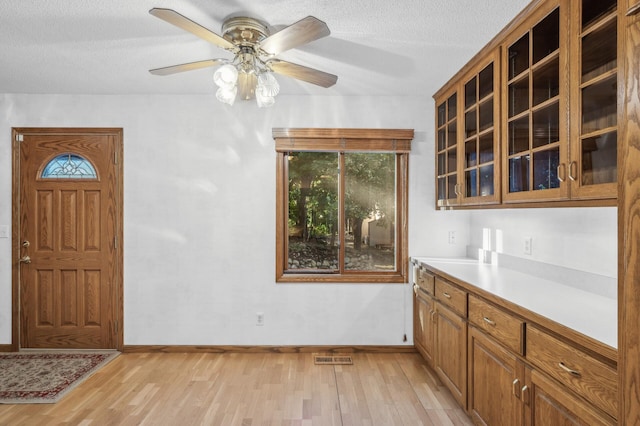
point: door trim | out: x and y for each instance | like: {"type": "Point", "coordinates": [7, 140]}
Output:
{"type": "Point", "coordinates": [116, 134]}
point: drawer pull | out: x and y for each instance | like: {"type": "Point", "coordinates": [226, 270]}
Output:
{"type": "Point", "coordinates": [574, 373]}
{"type": "Point", "coordinates": [447, 295]}
{"type": "Point", "coordinates": [489, 321]}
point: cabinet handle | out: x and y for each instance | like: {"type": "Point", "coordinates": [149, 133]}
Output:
{"type": "Point", "coordinates": [488, 321]}
{"type": "Point", "coordinates": [633, 9]}
{"type": "Point", "coordinates": [447, 295]}
{"type": "Point", "coordinates": [562, 176]}
{"type": "Point", "coordinates": [525, 394]}
{"type": "Point", "coordinates": [516, 388]}
{"type": "Point", "coordinates": [573, 165]}
{"type": "Point", "coordinates": [574, 373]}
{"type": "Point", "coordinates": [433, 316]}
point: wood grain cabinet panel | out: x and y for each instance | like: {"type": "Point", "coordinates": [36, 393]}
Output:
{"type": "Point", "coordinates": [495, 381]}
{"type": "Point", "coordinates": [451, 352]}
{"type": "Point", "coordinates": [547, 403]}
{"type": "Point", "coordinates": [588, 377]}
{"type": "Point", "coordinates": [451, 296]}
{"type": "Point", "coordinates": [426, 281]}
{"type": "Point", "coordinates": [506, 328]}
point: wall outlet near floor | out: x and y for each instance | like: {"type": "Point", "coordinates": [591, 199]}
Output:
{"type": "Point", "coordinates": [259, 318]}
{"type": "Point", "coordinates": [452, 237]}
{"type": "Point", "coordinates": [528, 245]}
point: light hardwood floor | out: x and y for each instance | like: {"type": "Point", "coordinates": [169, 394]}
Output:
{"type": "Point", "coordinates": [250, 389]}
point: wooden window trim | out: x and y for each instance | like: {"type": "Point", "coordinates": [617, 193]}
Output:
{"type": "Point", "coordinates": [397, 141]}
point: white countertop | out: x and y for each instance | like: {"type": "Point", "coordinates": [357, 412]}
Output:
{"type": "Point", "coordinates": [593, 315]}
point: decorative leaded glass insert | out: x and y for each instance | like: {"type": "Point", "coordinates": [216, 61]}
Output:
{"type": "Point", "coordinates": [69, 166]}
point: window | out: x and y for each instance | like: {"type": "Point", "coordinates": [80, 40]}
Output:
{"type": "Point", "coordinates": [342, 205]}
{"type": "Point", "coordinates": [68, 166]}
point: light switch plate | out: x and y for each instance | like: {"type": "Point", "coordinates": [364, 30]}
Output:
{"type": "Point", "coordinates": [4, 231]}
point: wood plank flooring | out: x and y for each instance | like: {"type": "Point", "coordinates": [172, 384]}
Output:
{"type": "Point", "coordinates": [247, 389]}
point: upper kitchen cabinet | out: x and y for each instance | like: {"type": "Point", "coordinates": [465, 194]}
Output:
{"type": "Point", "coordinates": [532, 118]}
{"type": "Point", "coordinates": [592, 170]}
{"type": "Point", "coordinates": [467, 151]}
{"type": "Point", "coordinates": [534, 102]}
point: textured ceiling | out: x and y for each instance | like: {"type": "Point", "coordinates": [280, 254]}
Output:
{"type": "Point", "coordinates": [376, 47]}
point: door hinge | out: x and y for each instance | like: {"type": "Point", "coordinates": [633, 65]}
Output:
{"type": "Point", "coordinates": [115, 326]}
{"type": "Point", "coordinates": [19, 137]}
{"type": "Point", "coordinates": [115, 242]}
{"type": "Point", "coordinates": [115, 157]}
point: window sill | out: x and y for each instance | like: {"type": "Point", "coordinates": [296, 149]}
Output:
{"type": "Point", "coordinates": [342, 278]}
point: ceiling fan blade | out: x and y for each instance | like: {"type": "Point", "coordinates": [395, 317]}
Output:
{"type": "Point", "coordinates": [174, 18]}
{"type": "Point", "coordinates": [310, 75]}
{"type": "Point", "coordinates": [247, 85]}
{"type": "Point", "coordinates": [304, 31]}
{"type": "Point", "coordinates": [186, 67]}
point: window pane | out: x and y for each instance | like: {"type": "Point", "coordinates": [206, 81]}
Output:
{"type": "Point", "coordinates": [69, 166]}
{"type": "Point", "coordinates": [370, 207]}
{"type": "Point", "coordinates": [313, 211]}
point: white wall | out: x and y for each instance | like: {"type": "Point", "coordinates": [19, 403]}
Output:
{"type": "Point", "coordinates": [199, 215]}
{"type": "Point", "coordinates": [578, 238]}
{"type": "Point", "coordinates": [199, 184]}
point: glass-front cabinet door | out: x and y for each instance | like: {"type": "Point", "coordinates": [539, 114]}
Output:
{"type": "Point", "coordinates": [535, 146]}
{"type": "Point", "coordinates": [481, 160]}
{"type": "Point", "coordinates": [447, 185]}
{"type": "Point", "coordinates": [467, 133]}
{"type": "Point", "coordinates": [593, 167]}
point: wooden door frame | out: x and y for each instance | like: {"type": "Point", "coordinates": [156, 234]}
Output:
{"type": "Point", "coordinates": [118, 313]}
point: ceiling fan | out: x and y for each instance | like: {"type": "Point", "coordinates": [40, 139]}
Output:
{"type": "Point", "coordinates": [254, 48]}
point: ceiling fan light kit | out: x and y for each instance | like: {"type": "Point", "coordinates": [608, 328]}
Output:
{"type": "Point", "coordinates": [250, 73]}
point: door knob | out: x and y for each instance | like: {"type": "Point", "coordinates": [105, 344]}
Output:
{"type": "Point", "coordinates": [26, 243]}
{"type": "Point", "coordinates": [25, 259]}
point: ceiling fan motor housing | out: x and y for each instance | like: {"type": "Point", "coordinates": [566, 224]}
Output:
{"type": "Point", "coordinates": [243, 31]}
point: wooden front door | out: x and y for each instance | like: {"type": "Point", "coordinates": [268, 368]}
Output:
{"type": "Point", "coordinates": [69, 238]}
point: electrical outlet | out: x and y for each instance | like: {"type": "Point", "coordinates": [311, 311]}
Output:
{"type": "Point", "coordinates": [452, 237]}
{"type": "Point", "coordinates": [528, 245]}
{"type": "Point", "coordinates": [259, 318]}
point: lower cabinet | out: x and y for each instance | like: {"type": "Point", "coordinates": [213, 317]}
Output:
{"type": "Point", "coordinates": [506, 371]}
{"type": "Point", "coordinates": [423, 328]}
{"type": "Point", "coordinates": [548, 403]}
{"type": "Point", "coordinates": [451, 352]}
{"type": "Point", "coordinates": [494, 382]}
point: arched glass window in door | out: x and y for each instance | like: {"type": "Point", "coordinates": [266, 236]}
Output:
{"type": "Point", "coordinates": [69, 166]}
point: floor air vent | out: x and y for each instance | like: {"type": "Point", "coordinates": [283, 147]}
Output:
{"type": "Point", "coordinates": [332, 360]}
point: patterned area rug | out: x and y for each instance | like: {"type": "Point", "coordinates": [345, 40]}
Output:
{"type": "Point", "coordinates": [45, 377]}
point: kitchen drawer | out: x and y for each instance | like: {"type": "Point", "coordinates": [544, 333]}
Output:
{"type": "Point", "coordinates": [426, 280]}
{"type": "Point", "coordinates": [588, 377]}
{"type": "Point", "coordinates": [451, 296]}
{"type": "Point", "coordinates": [504, 327]}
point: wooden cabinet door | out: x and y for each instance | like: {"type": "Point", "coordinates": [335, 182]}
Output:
{"type": "Point", "coordinates": [593, 171]}
{"type": "Point", "coordinates": [448, 128]}
{"type": "Point", "coordinates": [547, 403]}
{"type": "Point", "coordinates": [534, 105]}
{"type": "Point", "coordinates": [495, 381]}
{"type": "Point", "coordinates": [423, 328]}
{"type": "Point", "coordinates": [451, 352]}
